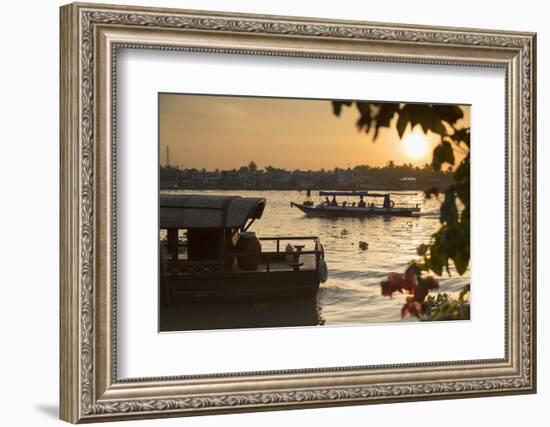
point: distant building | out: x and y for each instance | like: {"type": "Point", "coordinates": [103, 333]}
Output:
{"type": "Point", "coordinates": [212, 179]}
{"type": "Point", "coordinates": [197, 178]}
{"type": "Point", "coordinates": [231, 178]}
{"type": "Point", "coordinates": [408, 183]}
{"type": "Point", "coordinates": [344, 177]}
{"type": "Point", "coordinates": [282, 177]}
{"type": "Point", "coordinates": [302, 179]}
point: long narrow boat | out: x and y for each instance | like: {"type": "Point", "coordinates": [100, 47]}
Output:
{"type": "Point", "coordinates": [331, 208]}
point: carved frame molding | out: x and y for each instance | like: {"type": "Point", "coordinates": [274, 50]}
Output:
{"type": "Point", "coordinates": [90, 37]}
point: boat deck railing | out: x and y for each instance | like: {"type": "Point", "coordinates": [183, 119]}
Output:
{"type": "Point", "coordinates": [270, 260]}
{"type": "Point", "coordinates": [184, 266]}
{"type": "Point", "coordinates": [279, 239]}
{"type": "Point", "coordinates": [276, 261]}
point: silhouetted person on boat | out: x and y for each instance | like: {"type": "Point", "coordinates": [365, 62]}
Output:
{"type": "Point", "coordinates": [361, 203]}
{"type": "Point", "coordinates": [387, 201]}
{"type": "Point", "coordinates": [327, 201]}
{"type": "Point", "coordinates": [333, 201]}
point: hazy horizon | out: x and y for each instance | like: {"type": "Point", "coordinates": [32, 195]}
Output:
{"type": "Point", "coordinates": [227, 132]}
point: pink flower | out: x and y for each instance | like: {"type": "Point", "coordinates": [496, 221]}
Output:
{"type": "Point", "coordinates": [397, 282]}
{"type": "Point", "coordinates": [411, 307]}
{"type": "Point", "coordinates": [424, 288]}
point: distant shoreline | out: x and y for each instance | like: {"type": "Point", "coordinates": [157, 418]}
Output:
{"type": "Point", "coordinates": [287, 188]}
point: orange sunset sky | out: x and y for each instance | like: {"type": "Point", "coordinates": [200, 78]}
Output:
{"type": "Point", "coordinates": [227, 132]}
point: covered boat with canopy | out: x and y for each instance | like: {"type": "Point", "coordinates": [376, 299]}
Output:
{"type": "Point", "coordinates": [367, 205]}
{"type": "Point", "coordinates": [207, 251]}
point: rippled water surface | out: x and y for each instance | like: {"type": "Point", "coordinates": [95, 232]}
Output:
{"type": "Point", "coordinates": [352, 291]}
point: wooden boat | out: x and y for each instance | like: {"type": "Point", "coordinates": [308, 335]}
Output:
{"type": "Point", "coordinates": [331, 208]}
{"type": "Point", "coordinates": [200, 259]}
{"type": "Point", "coordinates": [203, 314]}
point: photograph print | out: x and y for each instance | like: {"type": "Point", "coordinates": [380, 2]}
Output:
{"type": "Point", "coordinates": [282, 212]}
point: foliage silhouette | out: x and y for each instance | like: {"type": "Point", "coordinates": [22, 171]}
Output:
{"type": "Point", "coordinates": [451, 242]}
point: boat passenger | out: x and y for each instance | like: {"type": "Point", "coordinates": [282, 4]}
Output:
{"type": "Point", "coordinates": [387, 201]}
{"type": "Point", "coordinates": [326, 202]}
{"type": "Point", "coordinates": [333, 201]}
{"type": "Point", "coordinates": [353, 205]}
{"type": "Point", "coordinates": [361, 203]}
{"type": "Point", "coordinates": [344, 203]}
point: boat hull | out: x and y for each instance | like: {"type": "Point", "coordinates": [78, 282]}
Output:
{"type": "Point", "coordinates": [231, 314]}
{"type": "Point", "coordinates": [354, 212]}
{"type": "Point", "coordinates": [245, 285]}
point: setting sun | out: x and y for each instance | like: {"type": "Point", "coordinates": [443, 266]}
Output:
{"type": "Point", "coordinates": [416, 145]}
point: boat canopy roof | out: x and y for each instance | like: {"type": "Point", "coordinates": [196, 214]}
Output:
{"type": "Point", "coordinates": [351, 194]}
{"type": "Point", "coordinates": [208, 211]}
{"type": "Point", "coordinates": [343, 193]}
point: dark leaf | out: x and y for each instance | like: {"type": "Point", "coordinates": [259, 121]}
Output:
{"type": "Point", "coordinates": [337, 106]}
{"type": "Point", "coordinates": [462, 135]}
{"type": "Point", "coordinates": [412, 271]}
{"type": "Point", "coordinates": [463, 169]}
{"type": "Point", "coordinates": [432, 191]}
{"type": "Point", "coordinates": [402, 123]}
{"type": "Point", "coordinates": [436, 158]}
{"type": "Point", "coordinates": [364, 122]}
{"type": "Point", "coordinates": [423, 115]}
{"type": "Point", "coordinates": [448, 113]}
{"type": "Point", "coordinates": [384, 116]}
{"type": "Point", "coordinates": [443, 153]}
{"type": "Point", "coordinates": [463, 292]}
{"type": "Point", "coordinates": [448, 211]}
{"type": "Point", "coordinates": [463, 192]}
{"type": "Point", "coordinates": [447, 153]}
{"type": "Point", "coordinates": [436, 264]}
{"type": "Point", "coordinates": [461, 261]}
{"type": "Point", "coordinates": [366, 108]}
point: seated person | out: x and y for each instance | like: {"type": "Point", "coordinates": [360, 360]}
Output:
{"type": "Point", "coordinates": [333, 201]}
{"type": "Point", "coordinates": [361, 203]}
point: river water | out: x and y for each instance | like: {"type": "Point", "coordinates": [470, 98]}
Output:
{"type": "Point", "coordinates": [352, 293]}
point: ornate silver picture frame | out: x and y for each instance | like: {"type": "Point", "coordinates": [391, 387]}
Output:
{"type": "Point", "coordinates": [91, 36]}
